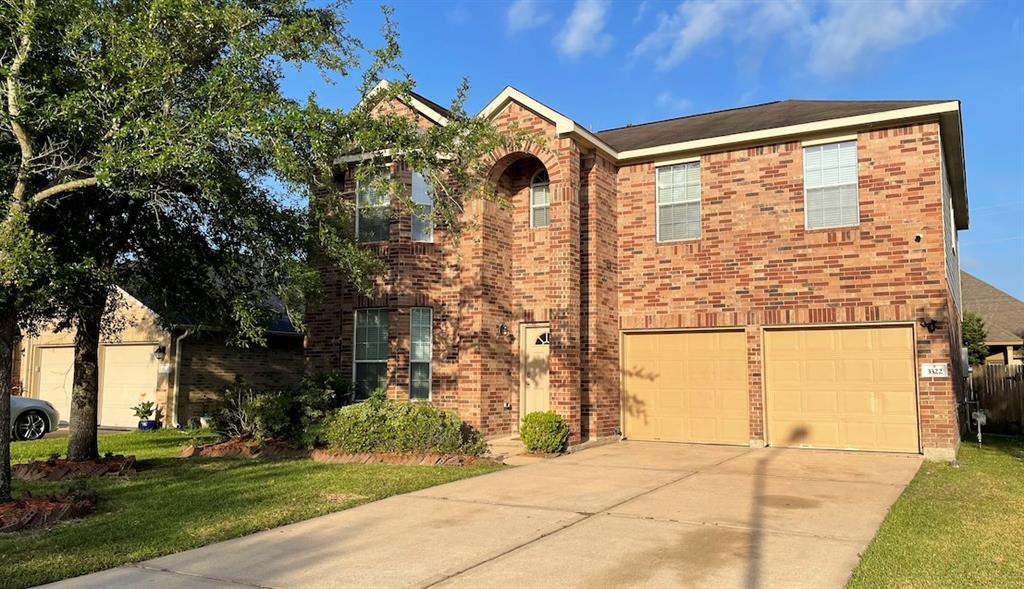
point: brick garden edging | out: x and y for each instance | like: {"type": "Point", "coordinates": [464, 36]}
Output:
{"type": "Point", "coordinates": [31, 512]}
{"type": "Point", "coordinates": [60, 469]}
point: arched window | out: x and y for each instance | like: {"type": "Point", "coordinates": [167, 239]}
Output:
{"type": "Point", "coordinates": [543, 339]}
{"type": "Point", "coordinates": [540, 199]}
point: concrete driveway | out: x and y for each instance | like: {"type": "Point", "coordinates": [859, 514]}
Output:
{"type": "Point", "coordinates": [625, 515]}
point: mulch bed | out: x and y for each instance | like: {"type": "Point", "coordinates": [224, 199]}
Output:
{"type": "Point", "coordinates": [60, 469]}
{"type": "Point", "coordinates": [243, 448]}
{"type": "Point", "coordinates": [39, 512]}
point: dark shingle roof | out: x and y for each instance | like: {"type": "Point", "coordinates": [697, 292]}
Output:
{"type": "Point", "coordinates": [741, 120]}
{"type": "Point", "coordinates": [1003, 314]}
{"type": "Point", "coordinates": [444, 111]}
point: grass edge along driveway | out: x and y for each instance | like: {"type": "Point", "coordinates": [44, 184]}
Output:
{"type": "Point", "coordinates": [176, 504]}
{"type": "Point", "coordinates": [954, 527]}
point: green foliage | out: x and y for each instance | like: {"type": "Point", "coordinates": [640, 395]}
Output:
{"type": "Point", "coordinates": [295, 416]}
{"type": "Point", "coordinates": [381, 425]}
{"type": "Point", "coordinates": [144, 410]}
{"type": "Point", "coordinates": [544, 431]}
{"type": "Point", "coordinates": [974, 335]}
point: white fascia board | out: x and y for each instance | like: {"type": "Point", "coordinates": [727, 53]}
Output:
{"type": "Point", "coordinates": [418, 105]}
{"type": "Point", "coordinates": [791, 130]}
{"type": "Point", "coordinates": [563, 124]}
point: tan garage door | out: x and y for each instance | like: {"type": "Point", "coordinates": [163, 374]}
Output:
{"type": "Point", "coordinates": [847, 388]}
{"type": "Point", "coordinates": [55, 377]}
{"type": "Point", "coordinates": [129, 375]}
{"type": "Point", "coordinates": [685, 387]}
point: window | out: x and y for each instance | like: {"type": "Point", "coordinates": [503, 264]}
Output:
{"type": "Point", "coordinates": [540, 199]}
{"type": "Point", "coordinates": [422, 224]}
{"type": "Point", "coordinates": [421, 352]}
{"type": "Point", "coordinates": [830, 185]}
{"type": "Point", "coordinates": [371, 354]}
{"type": "Point", "coordinates": [373, 214]}
{"type": "Point", "coordinates": [543, 339]}
{"type": "Point", "coordinates": [678, 196]}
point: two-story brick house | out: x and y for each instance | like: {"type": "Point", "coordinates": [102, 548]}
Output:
{"type": "Point", "coordinates": [784, 274]}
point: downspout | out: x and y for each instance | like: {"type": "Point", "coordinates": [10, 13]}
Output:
{"type": "Point", "coordinates": [177, 373]}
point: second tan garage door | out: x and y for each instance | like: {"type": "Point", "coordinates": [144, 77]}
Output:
{"type": "Point", "coordinates": [846, 388]}
{"type": "Point", "coordinates": [685, 387]}
{"type": "Point", "coordinates": [129, 376]}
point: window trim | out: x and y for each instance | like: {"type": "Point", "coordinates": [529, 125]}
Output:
{"type": "Point", "coordinates": [429, 363]}
{"type": "Point", "coordinates": [413, 215]}
{"type": "Point", "coordinates": [547, 205]}
{"type": "Point", "coordinates": [856, 185]}
{"type": "Point", "coordinates": [355, 343]}
{"type": "Point", "coordinates": [657, 205]}
{"type": "Point", "coordinates": [359, 208]}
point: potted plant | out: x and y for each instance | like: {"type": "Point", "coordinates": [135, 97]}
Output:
{"type": "Point", "coordinates": [144, 411]}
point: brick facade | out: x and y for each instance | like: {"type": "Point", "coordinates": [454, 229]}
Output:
{"type": "Point", "coordinates": [598, 270]}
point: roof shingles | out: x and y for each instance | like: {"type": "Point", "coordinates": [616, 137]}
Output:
{"type": "Point", "coordinates": [1003, 314]}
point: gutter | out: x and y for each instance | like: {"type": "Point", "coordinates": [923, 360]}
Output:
{"type": "Point", "coordinates": [177, 372]}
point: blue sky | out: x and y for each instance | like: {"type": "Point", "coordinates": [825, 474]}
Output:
{"type": "Point", "coordinates": [609, 63]}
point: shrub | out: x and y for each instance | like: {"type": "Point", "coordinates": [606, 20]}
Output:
{"type": "Point", "coordinates": [544, 431]}
{"type": "Point", "coordinates": [381, 425]}
{"type": "Point", "coordinates": [295, 416]}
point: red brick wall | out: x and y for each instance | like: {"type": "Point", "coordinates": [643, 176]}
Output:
{"type": "Point", "coordinates": [755, 264]}
{"type": "Point", "coordinates": [208, 365]}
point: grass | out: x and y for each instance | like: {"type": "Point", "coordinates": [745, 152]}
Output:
{"type": "Point", "coordinates": [954, 527]}
{"type": "Point", "coordinates": [175, 504]}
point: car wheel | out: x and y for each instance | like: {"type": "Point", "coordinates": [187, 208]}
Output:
{"type": "Point", "coordinates": [31, 425]}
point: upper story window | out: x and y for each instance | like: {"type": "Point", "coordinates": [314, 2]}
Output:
{"type": "Point", "coordinates": [421, 352]}
{"type": "Point", "coordinates": [422, 223]}
{"type": "Point", "coordinates": [371, 353]}
{"type": "Point", "coordinates": [678, 201]}
{"type": "Point", "coordinates": [540, 199]}
{"type": "Point", "coordinates": [830, 185]}
{"type": "Point", "coordinates": [373, 212]}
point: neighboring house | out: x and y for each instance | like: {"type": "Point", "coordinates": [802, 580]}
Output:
{"type": "Point", "coordinates": [1004, 319]}
{"type": "Point", "coordinates": [772, 275]}
{"type": "Point", "coordinates": [178, 369]}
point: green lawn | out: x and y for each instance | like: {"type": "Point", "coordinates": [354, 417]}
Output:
{"type": "Point", "coordinates": [954, 527]}
{"type": "Point", "coordinates": [175, 504]}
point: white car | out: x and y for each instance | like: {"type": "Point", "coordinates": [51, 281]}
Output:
{"type": "Point", "coordinates": [31, 419]}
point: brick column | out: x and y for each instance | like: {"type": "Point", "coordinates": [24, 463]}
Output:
{"type": "Point", "coordinates": [755, 372]}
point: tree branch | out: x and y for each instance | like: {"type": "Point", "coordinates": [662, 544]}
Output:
{"type": "Point", "coordinates": [14, 98]}
{"type": "Point", "coordinates": [52, 191]}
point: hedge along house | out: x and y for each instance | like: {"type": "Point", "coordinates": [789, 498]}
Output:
{"type": "Point", "coordinates": [785, 274]}
{"type": "Point", "coordinates": [180, 369]}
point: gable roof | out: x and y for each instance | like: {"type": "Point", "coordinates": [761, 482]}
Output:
{"type": "Point", "coordinates": [758, 117]}
{"type": "Point", "coordinates": [1003, 314]}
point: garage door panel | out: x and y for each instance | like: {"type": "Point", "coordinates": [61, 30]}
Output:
{"type": "Point", "coordinates": [697, 390]}
{"type": "Point", "coordinates": [129, 376]}
{"type": "Point", "coordinates": [55, 378]}
{"type": "Point", "coordinates": [867, 401]}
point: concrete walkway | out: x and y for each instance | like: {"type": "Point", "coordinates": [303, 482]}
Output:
{"type": "Point", "coordinates": [632, 514]}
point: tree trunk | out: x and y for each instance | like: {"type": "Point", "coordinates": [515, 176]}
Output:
{"type": "Point", "coordinates": [8, 340]}
{"type": "Point", "coordinates": [82, 434]}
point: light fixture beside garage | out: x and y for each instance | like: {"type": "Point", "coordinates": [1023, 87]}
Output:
{"type": "Point", "coordinates": [160, 353]}
{"type": "Point", "coordinates": [930, 324]}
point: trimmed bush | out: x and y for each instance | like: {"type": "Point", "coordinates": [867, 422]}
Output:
{"type": "Point", "coordinates": [294, 416]}
{"type": "Point", "coordinates": [382, 425]}
{"type": "Point", "coordinates": [544, 431]}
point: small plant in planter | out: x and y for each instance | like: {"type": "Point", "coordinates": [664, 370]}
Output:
{"type": "Point", "coordinates": [145, 412]}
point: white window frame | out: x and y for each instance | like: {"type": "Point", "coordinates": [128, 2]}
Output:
{"type": "Point", "coordinates": [385, 204]}
{"type": "Point", "coordinates": [534, 206]}
{"type": "Point", "coordinates": [417, 212]}
{"type": "Point", "coordinates": [430, 351]}
{"type": "Point", "coordinates": [856, 184]}
{"type": "Point", "coordinates": [355, 345]}
{"type": "Point", "coordinates": [658, 205]}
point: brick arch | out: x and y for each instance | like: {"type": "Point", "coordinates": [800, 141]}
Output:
{"type": "Point", "coordinates": [503, 160]}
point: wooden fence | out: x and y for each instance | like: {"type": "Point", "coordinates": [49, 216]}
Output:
{"type": "Point", "coordinates": [1000, 392]}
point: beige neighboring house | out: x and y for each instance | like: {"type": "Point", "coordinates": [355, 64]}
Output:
{"type": "Point", "coordinates": [1004, 319]}
{"type": "Point", "coordinates": [178, 369]}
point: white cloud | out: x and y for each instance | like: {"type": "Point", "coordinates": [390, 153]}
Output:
{"type": "Point", "coordinates": [672, 103]}
{"type": "Point", "coordinates": [641, 12]}
{"type": "Point", "coordinates": [837, 36]}
{"type": "Point", "coordinates": [525, 14]}
{"type": "Point", "coordinates": [852, 32]}
{"type": "Point", "coordinates": [583, 31]}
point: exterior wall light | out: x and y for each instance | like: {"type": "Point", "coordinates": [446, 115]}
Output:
{"type": "Point", "coordinates": [160, 353]}
{"type": "Point", "coordinates": [930, 324]}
